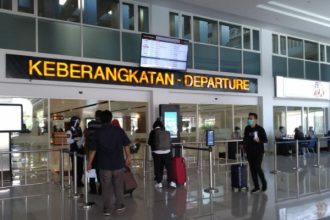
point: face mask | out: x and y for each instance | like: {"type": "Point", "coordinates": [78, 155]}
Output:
{"type": "Point", "coordinates": [250, 122]}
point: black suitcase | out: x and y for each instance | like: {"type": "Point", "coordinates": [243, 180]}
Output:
{"type": "Point", "coordinates": [239, 176]}
{"type": "Point", "coordinates": [232, 149]}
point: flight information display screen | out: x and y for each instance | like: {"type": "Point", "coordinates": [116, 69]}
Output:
{"type": "Point", "coordinates": [163, 52]}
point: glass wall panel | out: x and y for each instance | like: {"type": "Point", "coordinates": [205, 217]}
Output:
{"type": "Point", "coordinates": [328, 54]}
{"type": "Point", "coordinates": [107, 45]}
{"type": "Point", "coordinates": [205, 31]}
{"type": "Point", "coordinates": [131, 47]}
{"type": "Point", "coordinates": [325, 72]}
{"type": "Point", "coordinates": [186, 27]}
{"type": "Point", "coordinates": [63, 10]}
{"type": "Point", "coordinates": [230, 35]}
{"type": "Point", "coordinates": [305, 120]}
{"type": "Point", "coordinates": [128, 16]}
{"type": "Point", "coordinates": [279, 119]}
{"type": "Point", "coordinates": [188, 122]}
{"type": "Point", "coordinates": [293, 119]}
{"type": "Point", "coordinates": [316, 120]}
{"type": "Point", "coordinates": [132, 117]}
{"type": "Point", "coordinates": [312, 70]}
{"type": "Point", "coordinates": [174, 24]}
{"type": "Point", "coordinates": [12, 29]}
{"type": "Point", "coordinates": [26, 6]}
{"type": "Point", "coordinates": [189, 56]}
{"type": "Point", "coordinates": [6, 4]}
{"type": "Point", "coordinates": [217, 117]}
{"type": "Point", "coordinates": [275, 43]}
{"type": "Point", "coordinates": [206, 57]}
{"type": "Point", "coordinates": [311, 51]}
{"type": "Point", "coordinates": [241, 113]}
{"type": "Point", "coordinates": [230, 60]}
{"type": "Point", "coordinates": [295, 47]}
{"type": "Point", "coordinates": [256, 41]}
{"type": "Point", "coordinates": [279, 66]}
{"type": "Point", "coordinates": [251, 63]}
{"type": "Point", "coordinates": [143, 22]}
{"type": "Point", "coordinates": [59, 38]}
{"type": "Point", "coordinates": [283, 45]}
{"type": "Point", "coordinates": [296, 68]}
{"type": "Point", "coordinates": [322, 54]}
{"type": "Point", "coordinates": [101, 13]}
{"type": "Point", "coordinates": [247, 38]}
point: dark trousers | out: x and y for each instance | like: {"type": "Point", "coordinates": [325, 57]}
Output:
{"type": "Point", "coordinates": [112, 186]}
{"type": "Point", "coordinates": [255, 161]}
{"type": "Point", "coordinates": [92, 182]}
{"type": "Point", "coordinates": [161, 161]}
{"type": "Point", "coordinates": [80, 165]}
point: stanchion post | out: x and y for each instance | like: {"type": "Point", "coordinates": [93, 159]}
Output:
{"type": "Point", "coordinates": [87, 204]}
{"type": "Point", "coordinates": [211, 189]}
{"type": "Point", "coordinates": [318, 153]}
{"type": "Point", "coordinates": [69, 171]}
{"type": "Point", "coordinates": [275, 171]}
{"type": "Point", "coordinates": [75, 181]}
{"type": "Point", "coordinates": [62, 168]}
{"type": "Point", "coordinates": [226, 153]}
{"type": "Point", "coordinates": [297, 157]}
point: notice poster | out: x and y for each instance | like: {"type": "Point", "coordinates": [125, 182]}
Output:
{"type": "Point", "coordinates": [171, 123]}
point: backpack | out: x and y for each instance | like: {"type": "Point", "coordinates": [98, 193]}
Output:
{"type": "Point", "coordinates": [162, 140]}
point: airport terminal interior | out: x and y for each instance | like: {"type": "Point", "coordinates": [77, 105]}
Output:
{"type": "Point", "coordinates": [199, 66]}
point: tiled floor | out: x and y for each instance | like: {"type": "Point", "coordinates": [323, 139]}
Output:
{"type": "Point", "coordinates": [47, 201]}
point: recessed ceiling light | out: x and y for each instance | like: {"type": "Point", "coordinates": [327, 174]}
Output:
{"type": "Point", "coordinates": [295, 13]}
{"type": "Point", "coordinates": [110, 12]}
{"type": "Point", "coordinates": [311, 14]}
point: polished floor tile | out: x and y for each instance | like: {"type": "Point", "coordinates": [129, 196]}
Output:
{"type": "Point", "coordinates": [290, 195]}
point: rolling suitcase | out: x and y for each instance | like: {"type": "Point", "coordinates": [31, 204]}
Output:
{"type": "Point", "coordinates": [239, 176]}
{"type": "Point", "coordinates": [179, 174]}
{"type": "Point", "coordinates": [130, 183]}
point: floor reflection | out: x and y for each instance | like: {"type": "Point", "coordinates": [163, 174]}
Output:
{"type": "Point", "coordinates": [47, 201]}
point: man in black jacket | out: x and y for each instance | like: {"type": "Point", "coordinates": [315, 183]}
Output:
{"type": "Point", "coordinates": [110, 143]}
{"type": "Point", "coordinates": [254, 139]}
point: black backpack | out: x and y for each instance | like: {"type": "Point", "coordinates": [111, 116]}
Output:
{"type": "Point", "coordinates": [162, 140]}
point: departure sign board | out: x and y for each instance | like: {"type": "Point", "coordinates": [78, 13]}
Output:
{"type": "Point", "coordinates": [163, 52]}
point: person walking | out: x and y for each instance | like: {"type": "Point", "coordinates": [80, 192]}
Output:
{"type": "Point", "coordinates": [254, 139]}
{"type": "Point", "coordinates": [160, 143]}
{"type": "Point", "coordinates": [110, 144]}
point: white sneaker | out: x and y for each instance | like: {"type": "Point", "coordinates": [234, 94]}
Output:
{"type": "Point", "coordinates": [173, 184]}
{"type": "Point", "coordinates": [159, 185]}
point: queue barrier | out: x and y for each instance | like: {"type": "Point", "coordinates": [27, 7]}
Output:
{"type": "Point", "coordinates": [298, 154]}
{"type": "Point", "coordinates": [61, 151]}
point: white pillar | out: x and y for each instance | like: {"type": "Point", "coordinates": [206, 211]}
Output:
{"type": "Point", "coordinates": [266, 86]}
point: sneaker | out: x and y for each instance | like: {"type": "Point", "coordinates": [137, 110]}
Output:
{"type": "Point", "coordinates": [106, 213]}
{"type": "Point", "coordinates": [264, 188]}
{"type": "Point", "coordinates": [255, 190]}
{"type": "Point", "coordinates": [159, 185]}
{"type": "Point", "coordinates": [173, 184]}
{"type": "Point", "coordinates": [121, 209]}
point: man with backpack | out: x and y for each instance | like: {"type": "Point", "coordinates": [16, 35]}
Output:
{"type": "Point", "coordinates": [160, 142]}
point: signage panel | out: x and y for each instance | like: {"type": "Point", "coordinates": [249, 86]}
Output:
{"type": "Point", "coordinates": [36, 68]}
{"type": "Point", "coordinates": [300, 88]}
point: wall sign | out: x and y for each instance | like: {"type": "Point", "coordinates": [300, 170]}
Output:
{"type": "Point", "coordinates": [36, 68]}
{"type": "Point", "coordinates": [300, 88]}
